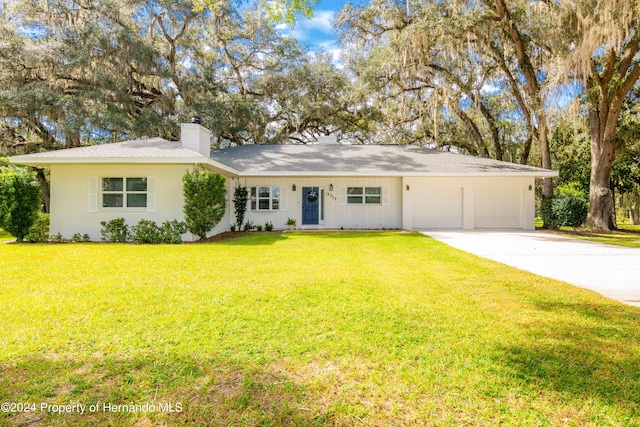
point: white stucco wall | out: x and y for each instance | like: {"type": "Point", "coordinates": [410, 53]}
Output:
{"type": "Point", "coordinates": [409, 202]}
{"type": "Point", "coordinates": [336, 215]}
{"type": "Point", "coordinates": [70, 197]}
{"type": "Point", "coordinates": [413, 202]}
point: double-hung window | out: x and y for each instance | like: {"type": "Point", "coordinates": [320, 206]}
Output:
{"type": "Point", "coordinates": [265, 198]}
{"type": "Point", "coordinates": [364, 195]}
{"type": "Point", "coordinates": [124, 193]}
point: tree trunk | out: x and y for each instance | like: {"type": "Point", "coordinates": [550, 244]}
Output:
{"type": "Point", "coordinates": [44, 188]}
{"type": "Point", "coordinates": [545, 156]}
{"type": "Point", "coordinates": [634, 206]}
{"type": "Point", "coordinates": [526, 149]}
{"type": "Point", "coordinates": [600, 200]}
{"type": "Point", "coordinates": [601, 208]}
{"type": "Point", "coordinates": [472, 129]}
{"type": "Point", "coordinates": [495, 133]}
{"type": "Point", "coordinates": [608, 84]}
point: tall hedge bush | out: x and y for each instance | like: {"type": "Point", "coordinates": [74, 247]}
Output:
{"type": "Point", "coordinates": [204, 201]}
{"type": "Point", "coordinates": [567, 208]}
{"type": "Point", "coordinates": [20, 200]}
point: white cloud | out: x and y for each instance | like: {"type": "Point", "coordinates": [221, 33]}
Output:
{"type": "Point", "coordinates": [307, 30]}
{"type": "Point", "coordinates": [322, 21]}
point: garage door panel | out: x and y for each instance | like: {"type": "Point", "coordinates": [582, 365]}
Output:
{"type": "Point", "coordinates": [498, 208]}
{"type": "Point", "coordinates": [435, 207]}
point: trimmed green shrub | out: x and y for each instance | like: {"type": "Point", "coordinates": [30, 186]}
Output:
{"type": "Point", "coordinates": [567, 208]}
{"type": "Point", "coordinates": [268, 226]}
{"type": "Point", "coordinates": [571, 211]}
{"type": "Point", "coordinates": [20, 200]}
{"type": "Point", "coordinates": [145, 231]}
{"type": "Point", "coordinates": [115, 231]}
{"type": "Point", "coordinates": [171, 231]}
{"type": "Point", "coordinates": [39, 231]}
{"type": "Point", "coordinates": [58, 238]}
{"type": "Point", "coordinates": [204, 201]}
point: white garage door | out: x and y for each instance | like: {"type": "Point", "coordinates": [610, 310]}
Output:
{"type": "Point", "coordinates": [437, 207]}
{"type": "Point", "coordinates": [498, 208]}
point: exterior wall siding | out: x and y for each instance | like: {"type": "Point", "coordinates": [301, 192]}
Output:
{"type": "Point", "coordinates": [404, 204]}
{"type": "Point", "coordinates": [336, 215]}
{"type": "Point", "coordinates": [70, 200]}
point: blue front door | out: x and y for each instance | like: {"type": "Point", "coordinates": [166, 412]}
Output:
{"type": "Point", "coordinates": [310, 205]}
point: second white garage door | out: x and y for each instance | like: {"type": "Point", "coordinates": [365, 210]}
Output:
{"type": "Point", "coordinates": [498, 208]}
{"type": "Point", "coordinates": [437, 207]}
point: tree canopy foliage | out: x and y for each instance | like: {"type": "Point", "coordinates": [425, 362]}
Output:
{"type": "Point", "coordinates": [83, 72]}
{"type": "Point", "coordinates": [276, 10]}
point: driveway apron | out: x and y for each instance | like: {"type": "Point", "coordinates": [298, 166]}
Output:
{"type": "Point", "coordinates": [612, 271]}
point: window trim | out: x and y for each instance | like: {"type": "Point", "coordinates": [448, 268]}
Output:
{"type": "Point", "coordinates": [124, 194]}
{"type": "Point", "coordinates": [363, 194]}
{"type": "Point", "coordinates": [254, 198]}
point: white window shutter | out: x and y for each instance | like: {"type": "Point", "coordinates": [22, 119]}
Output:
{"type": "Point", "coordinates": [385, 196]}
{"type": "Point", "coordinates": [151, 194]}
{"type": "Point", "coordinates": [283, 199]}
{"type": "Point", "coordinates": [343, 195]}
{"type": "Point", "coordinates": [93, 194]}
{"type": "Point", "coordinates": [253, 204]}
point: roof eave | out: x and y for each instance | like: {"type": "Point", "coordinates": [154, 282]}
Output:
{"type": "Point", "coordinates": [221, 166]}
{"type": "Point", "coordinates": [534, 174]}
{"type": "Point", "coordinates": [46, 161]}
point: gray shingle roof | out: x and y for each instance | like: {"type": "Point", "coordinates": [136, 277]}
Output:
{"type": "Point", "coordinates": [152, 148]}
{"type": "Point", "coordinates": [316, 159]}
{"type": "Point", "coordinates": [364, 159]}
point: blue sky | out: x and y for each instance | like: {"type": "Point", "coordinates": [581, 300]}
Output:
{"type": "Point", "coordinates": [317, 33]}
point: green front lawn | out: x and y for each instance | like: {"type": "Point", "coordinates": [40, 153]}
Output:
{"type": "Point", "coordinates": [307, 329]}
{"type": "Point", "coordinates": [627, 235]}
{"type": "Point", "coordinates": [5, 236]}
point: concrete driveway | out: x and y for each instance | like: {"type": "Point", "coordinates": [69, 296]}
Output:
{"type": "Point", "coordinates": [610, 270]}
